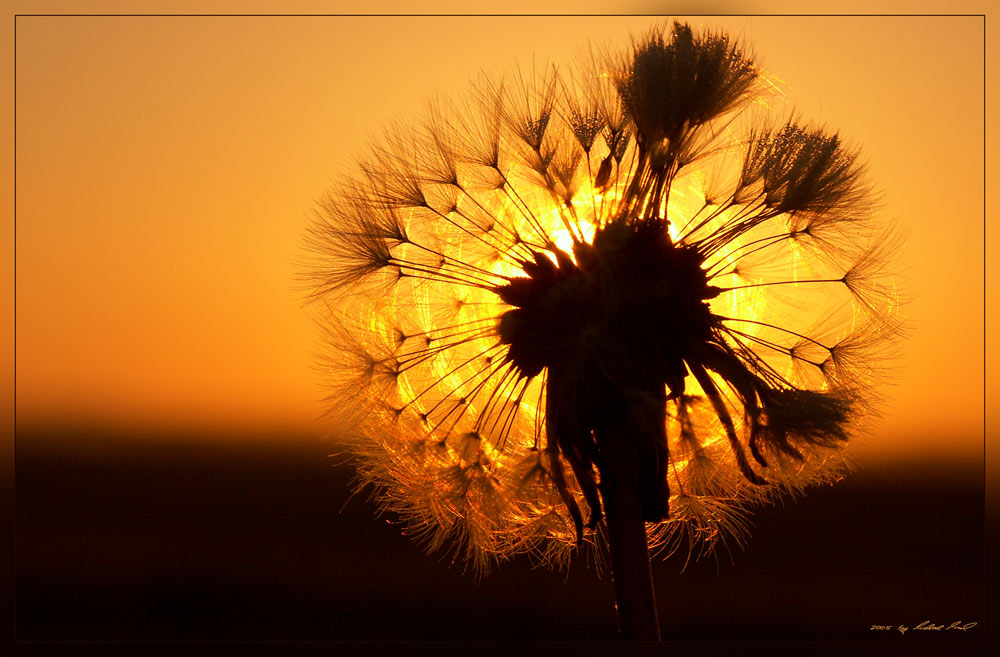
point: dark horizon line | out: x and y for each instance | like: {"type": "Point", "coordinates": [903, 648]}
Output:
{"type": "Point", "coordinates": [39, 432]}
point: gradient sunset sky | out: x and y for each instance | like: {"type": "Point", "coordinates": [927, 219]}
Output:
{"type": "Point", "coordinates": [166, 169]}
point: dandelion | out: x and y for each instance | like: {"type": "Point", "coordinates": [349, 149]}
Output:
{"type": "Point", "coordinates": [560, 322]}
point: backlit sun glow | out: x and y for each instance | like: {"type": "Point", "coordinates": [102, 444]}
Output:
{"type": "Point", "coordinates": [718, 273]}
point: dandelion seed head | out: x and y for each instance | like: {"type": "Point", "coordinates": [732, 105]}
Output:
{"type": "Point", "coordinates": [613, 277]}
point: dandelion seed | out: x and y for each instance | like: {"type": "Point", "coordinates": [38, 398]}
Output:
{"type": "Point", "coordinates": [556, 321]}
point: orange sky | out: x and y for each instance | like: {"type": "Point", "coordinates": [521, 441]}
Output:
{"type": "Point", "coordinates": [166, 170]}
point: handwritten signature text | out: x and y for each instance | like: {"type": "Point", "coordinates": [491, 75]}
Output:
{"type": "Point", "coordinates": [927, 626]}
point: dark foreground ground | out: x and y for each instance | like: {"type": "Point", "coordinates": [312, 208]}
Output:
{"type": "Point", "coordinates": [129, 538]}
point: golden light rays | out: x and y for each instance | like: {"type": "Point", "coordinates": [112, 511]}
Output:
{"type": "Point", "coordinates": [521, 278]}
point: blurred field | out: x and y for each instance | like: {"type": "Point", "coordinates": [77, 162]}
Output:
{"type": "Point", "coordinates": [123, 537]}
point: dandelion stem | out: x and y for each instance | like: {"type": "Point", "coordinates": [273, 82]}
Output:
{"type": "Point", "coordinates": [635, 601]}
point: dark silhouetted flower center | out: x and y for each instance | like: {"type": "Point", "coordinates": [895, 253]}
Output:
{"type": "Point", "coordinates": [632, 289]}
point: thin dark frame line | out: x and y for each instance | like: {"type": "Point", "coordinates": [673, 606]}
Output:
{"type": "Point", "coordinates": [547, 15]}
{"type": "Point", "coordinates": [411, 15]}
